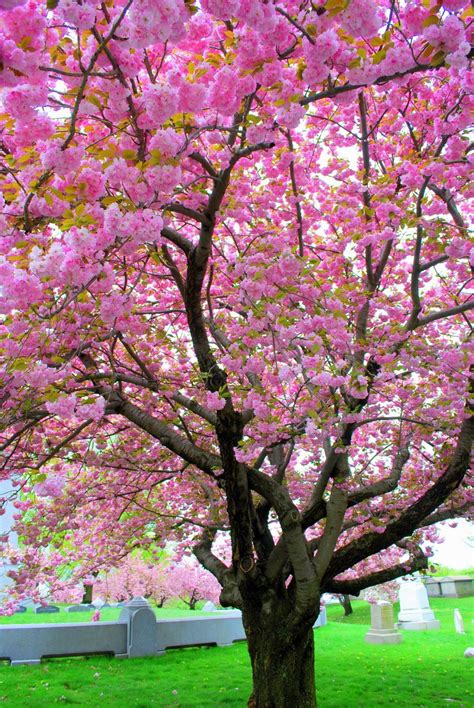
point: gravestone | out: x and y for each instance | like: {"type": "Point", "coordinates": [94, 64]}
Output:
{"type": "Point", "coordinates": [458, 622]}
{"type": "Point", "coordinates": [209, 607]}
{"type": "Point", "coordinates": [80, 608]}
{"type": "Point", "coordinates": [142, 639]}
{"type": "Point", "coordinates": [382, 630]}
{"type": "Point", "coordinates": [415, 612]}
{"type": "Point", "coordinates": [322, 618]}
{"type": "Point", "coordinates": [98, 603]}
{"type": "Point", "coordinates": [46, 609]}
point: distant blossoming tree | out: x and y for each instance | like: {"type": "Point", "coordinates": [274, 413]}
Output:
{"type": "Point", "coordinates": [134, 576]}
{"type": "Point", "coordinates": [190, 583]}
{"type": "Point", "coordinates": [235, 295]}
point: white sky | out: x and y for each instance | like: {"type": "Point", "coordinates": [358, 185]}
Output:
{"type": "Point", "coordinates": [455, 552]}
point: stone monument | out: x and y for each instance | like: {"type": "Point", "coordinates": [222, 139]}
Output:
{"type": "Point", "coordinates": [415, 612]}
{"type": "Point", "coordinates": [209, 607]}
{"type": "Point", "coordinates": [382, 630]}
{"type": "Point", "coordinates": [458, 622]}
{"type": "Point", "coordinates": [142, 629]}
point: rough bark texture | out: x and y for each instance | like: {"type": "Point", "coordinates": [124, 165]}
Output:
{"type": "Point", "coordinates": [282, 668]}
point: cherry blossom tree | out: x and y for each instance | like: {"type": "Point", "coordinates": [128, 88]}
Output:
{"type": "Point", "coordinates": [235, 295]}
{"type": "Point", "coordinates": [190, 583]}
{"type": "Point", "coordinates": [133, 577]}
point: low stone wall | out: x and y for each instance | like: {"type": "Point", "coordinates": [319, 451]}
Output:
{"type": "Point", "coordinates": [29, 643]}
{"type": "Point", "coordinates": [136, 633]}
{"type": "Point", "coordinates": [223, 629]}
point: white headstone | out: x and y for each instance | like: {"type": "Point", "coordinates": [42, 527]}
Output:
{"type": "Point", "coordinates": [209, 607]}
{"type": "Point", "coordinates": [415, 612]}
{"type": "Point", "coordinates": [458, 623]}
{"type": "Point", "coordinates": [322, 618]}
{"type": "Point", "coordinates": [382, 629]}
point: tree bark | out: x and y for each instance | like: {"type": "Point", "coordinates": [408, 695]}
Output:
{"type": "Point", "coordinates": [282, 670]}
{"type": "Point", "coordinates": [87, 594]}
{"type": "Point", "coordinates": [346, 603]}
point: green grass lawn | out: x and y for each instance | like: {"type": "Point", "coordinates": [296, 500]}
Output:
{"type": "Point", "coordinates": [427, 670]}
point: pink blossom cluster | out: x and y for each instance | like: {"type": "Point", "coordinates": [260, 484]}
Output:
{"type": "Point", "coordinates": [78, 14]}
{"type": "Point", "coordinates": [362, 17]}
{"type": "Point", "coordinates": [152, 21]}
{"type": "Point", "coordinates": [70, 406]}
{"type": "Point", "coordinates": [52, 486]}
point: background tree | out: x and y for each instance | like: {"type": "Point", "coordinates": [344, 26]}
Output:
{"type": "Point", "coordinates": [190, 583]}
{"type": "Point", "coordinates": [345, 601]}
{"type": "Point", "coordinates": [235, 294]}
{"type": "Point", "coordinates": [134, 576]}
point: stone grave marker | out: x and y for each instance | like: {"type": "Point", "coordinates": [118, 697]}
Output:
{"type": "Point", "coordinates": [415, 612]}
{"type": "Point", "coordinates": [142, 628]}
{"type": "Point", "coordinates": [458, 622]}
{"type": "Point", "coordinates": [46, 609]}
{"type": "Point", "coordinates": [322, 618]}
{"type": "Point", "coordinates": [80, 608]}
{"type": "Point", "coordinates": [209, 607]}
{"type": "Point", "coordinates": [382, 630]}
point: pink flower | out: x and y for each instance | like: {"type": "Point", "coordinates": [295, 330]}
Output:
{"type": "Point", "coordinates": [161, 102]}
{"type": "Point", "coordinates": [79, 14]}
{"type": "Point", "coordinates": [454, 5]}
{"type": "Point", "coordinates": [62, 162]}
{"type": "Point", "coordinates": [214, 401]}
{"type": "Point", "coordinates": [10, 4]}
{"type": "Point", "coordinates": [361, 18]}
{"type": "Point", "coordinates": [222, 9]}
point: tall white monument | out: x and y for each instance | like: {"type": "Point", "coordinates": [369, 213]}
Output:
{"type": "Point", "coordinates": [415, 612]}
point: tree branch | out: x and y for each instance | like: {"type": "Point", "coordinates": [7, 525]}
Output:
{"type": "Point", "coordinates": [413, 516]}
{"type": "Point", "coordinates": [385, 485]}
{"type": "Point", "coordinates": [355, 586]}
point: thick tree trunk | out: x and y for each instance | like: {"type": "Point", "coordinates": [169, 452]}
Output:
{"type": "Point", "coordinates": [283, 672]}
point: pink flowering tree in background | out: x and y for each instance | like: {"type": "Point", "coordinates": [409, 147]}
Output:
{"type": "Point", "coordinates": [189, 582]}
{"type": "Point", "coordinates": [235, 295]}
{"type": "Point", "coordinates": [133, 577]}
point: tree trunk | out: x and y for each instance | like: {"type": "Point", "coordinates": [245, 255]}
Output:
{"type": "Point", "coordinates": [346, 603]}
{"type": "Point", "coordinates": [283, 671]}
{"type": "Point", "coordinates": [87, 595]}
